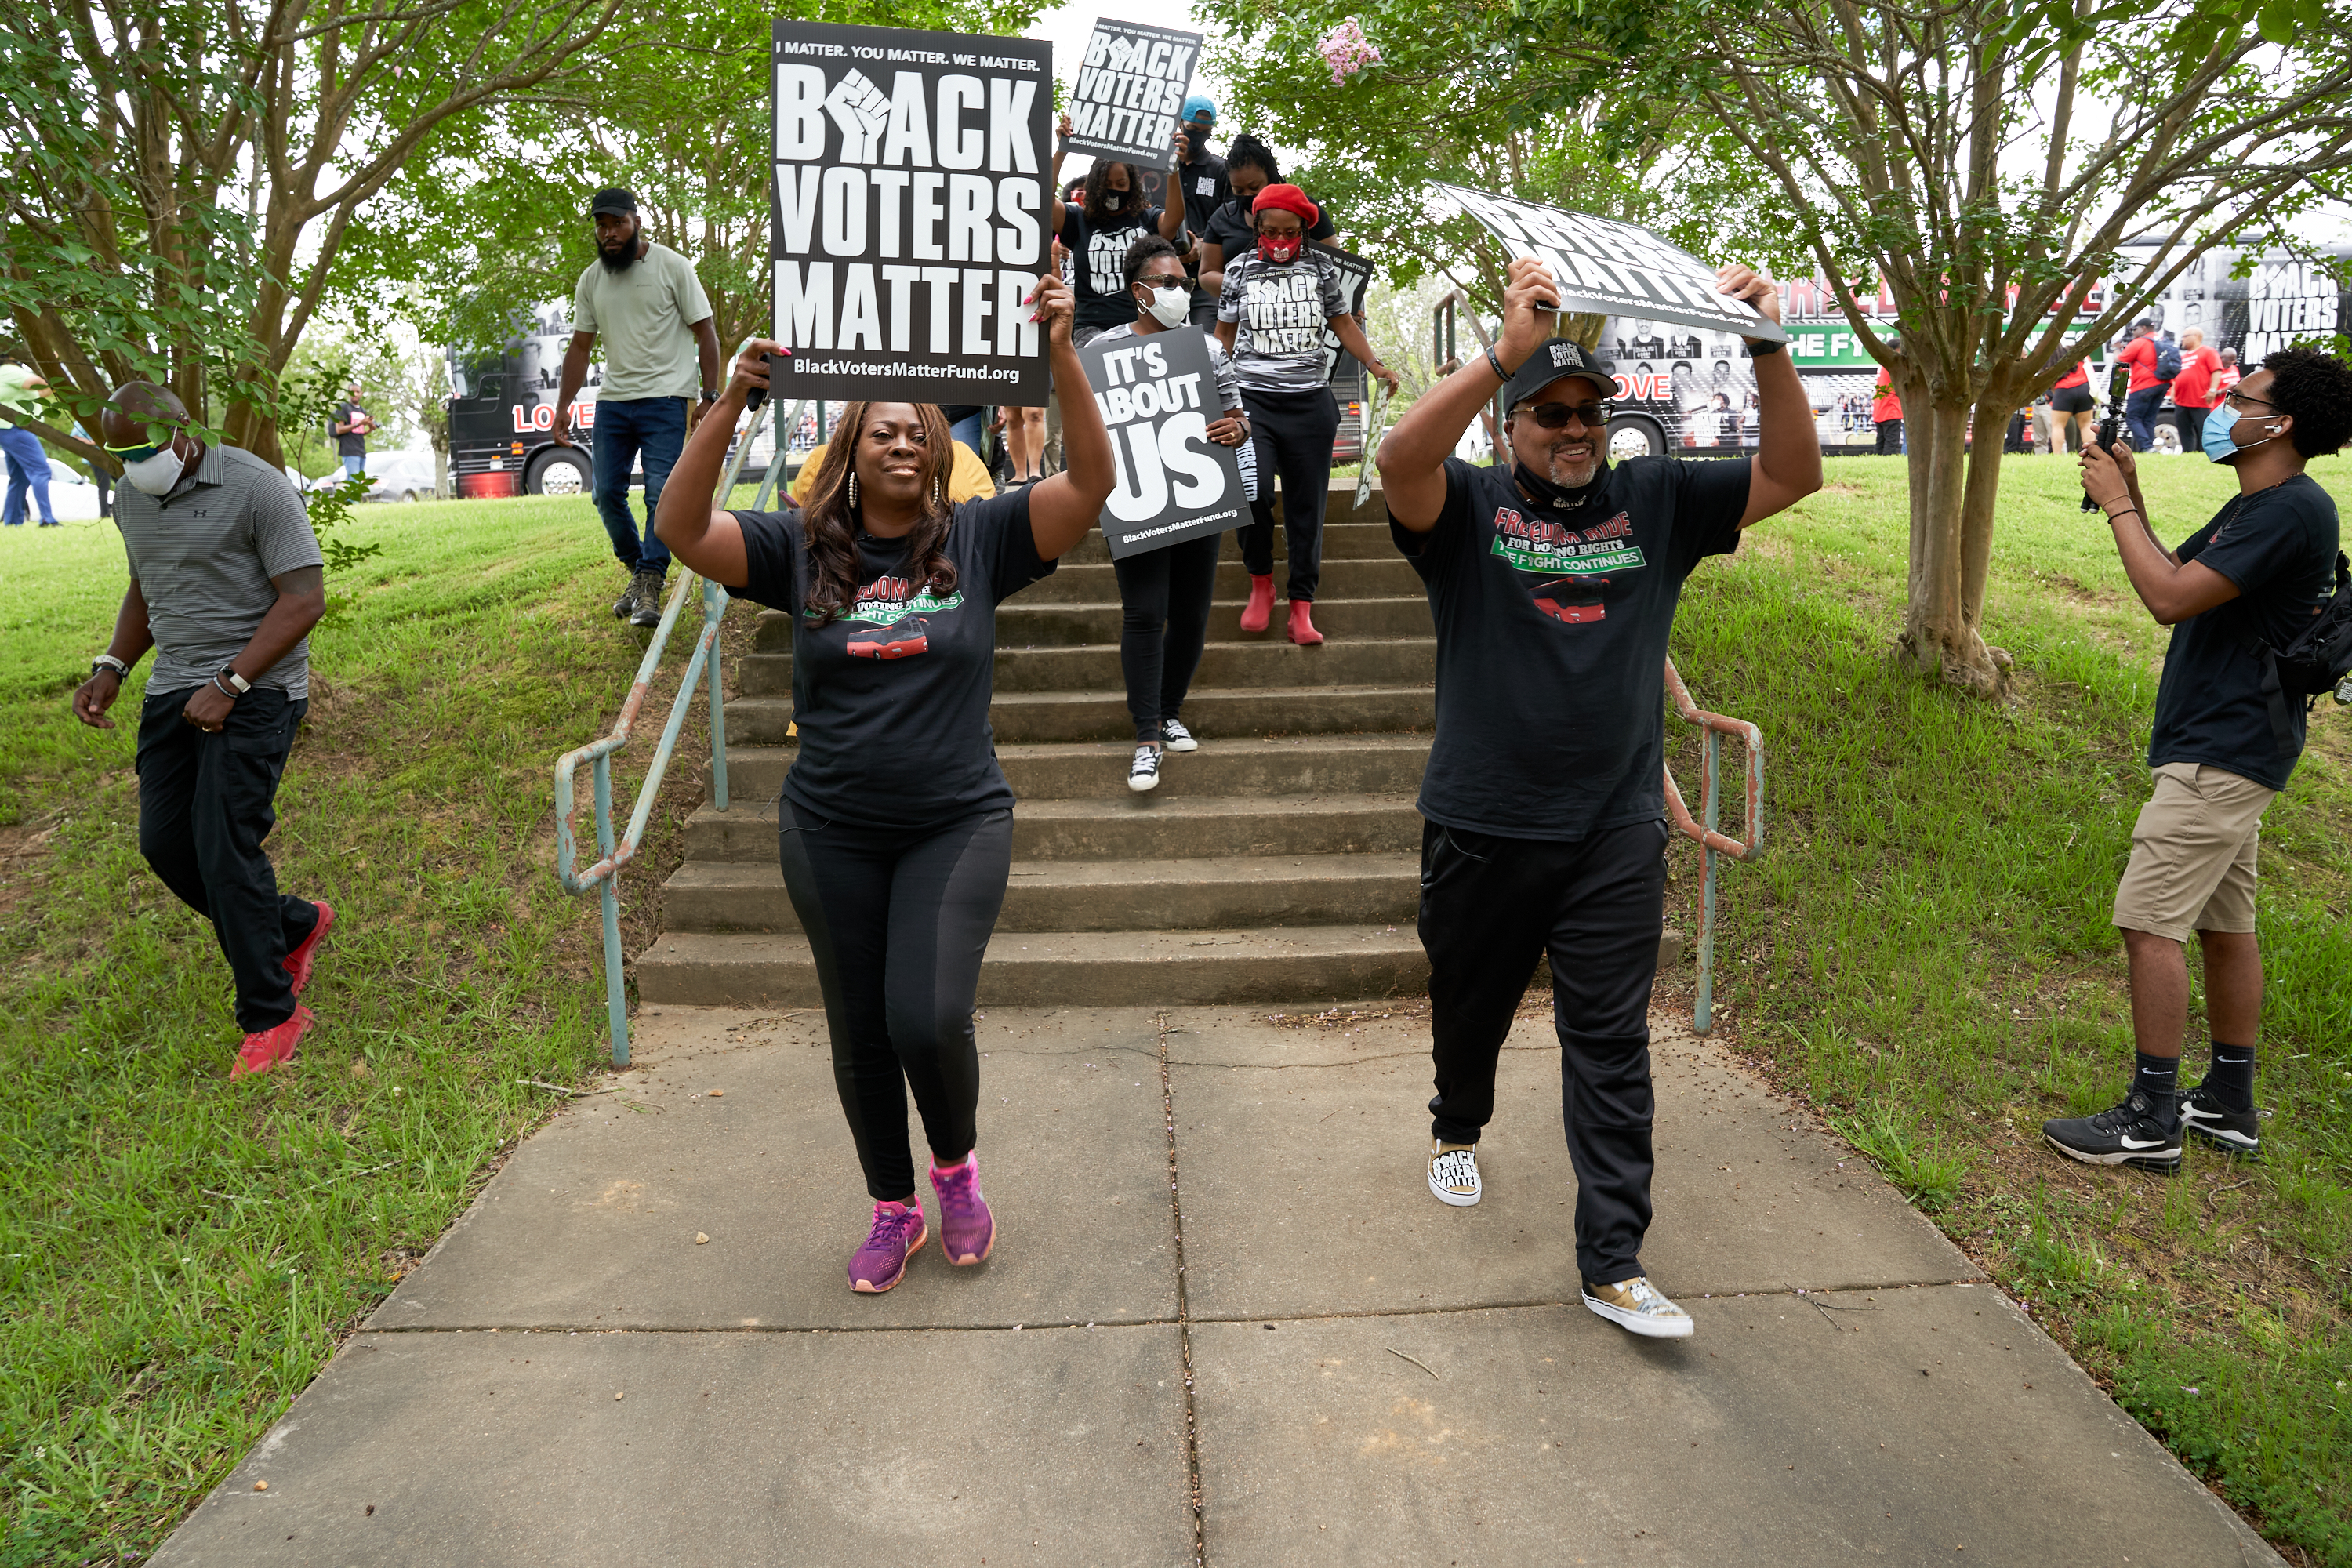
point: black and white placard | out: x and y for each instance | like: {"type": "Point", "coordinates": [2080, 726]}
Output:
{"type": "Point", "coordinates": [1355, 277]}
{"type": "Point", "coordinates": [1609, 269]}
{"type": "Point", "coordinates": [1131, 88]}
{"type": "Point", "coordinates": [1157, 394]}
{"type": "Point", "coordinates": [908, 213]}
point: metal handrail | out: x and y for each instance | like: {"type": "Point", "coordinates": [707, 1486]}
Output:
{"type": "Point", "coordinates": [603, 877]}
{"type": "Point", "coordinates": [1706, 831]}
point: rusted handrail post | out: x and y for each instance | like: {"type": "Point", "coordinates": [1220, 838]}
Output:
{"type": "Point", "coordinates": [1712, 841]}
{"type": "Point", "coordinates": [603, 877]}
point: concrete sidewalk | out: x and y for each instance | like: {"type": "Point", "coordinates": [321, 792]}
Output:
{"type": "Point", "coordinates": [1220, 1273]}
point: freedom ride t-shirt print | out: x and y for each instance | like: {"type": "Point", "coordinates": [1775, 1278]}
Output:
{"type": "Point", "coordinates": [891, 697]}
{"type": "Point", "coordinates": [1551, 640]}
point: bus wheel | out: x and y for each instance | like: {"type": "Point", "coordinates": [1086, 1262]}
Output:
{"type": "Point", "coordinates": [2165, 437]}
{"type": "Point", "coordinates": [558, 471]}
{"type": "Point", "coordinates": [1636, 435]}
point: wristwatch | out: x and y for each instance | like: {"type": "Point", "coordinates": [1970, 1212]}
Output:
{"type": "Point", "coordinates": [1764, 350]}
{"type": "Point", "coordinates": [233, 678]}
{"type": "Point", "coordinates": [708, 395]}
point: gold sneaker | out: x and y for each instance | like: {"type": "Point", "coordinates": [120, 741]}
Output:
{"type": "Point", "coordinates": [1636, 1305]}
{"type": "Point", "coordinates": [1453, 1173]}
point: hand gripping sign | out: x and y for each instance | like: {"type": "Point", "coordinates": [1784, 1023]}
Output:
{"type": "Point", "coordinates": [1608, 268]}
{"type": "Point", "coordinates": [908, 213]}
{"type": "Point", "coordinates": [1131, 88]}
{"type": "Point", "coordinates": [1157, 394]}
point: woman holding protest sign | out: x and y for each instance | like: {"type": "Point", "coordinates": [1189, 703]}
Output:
{"type": "Point", "coordinates": [1163, 594]}
{"type": "Point", "coordinates": [1277, 298]}
{"type": "Point", "coordinates": [894, 829]}
{"type": "Point", "coordinates": [1099, 231]}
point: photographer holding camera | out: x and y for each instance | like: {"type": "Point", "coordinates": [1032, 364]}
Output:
{"type": "Point", "coordinates": [2234, 591]}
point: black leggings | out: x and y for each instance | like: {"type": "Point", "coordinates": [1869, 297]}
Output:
{"type": "Point", "coordinates": [1292, 432]}
{"type": "Point", "coordinates": [1165, 597]}
{"type": "Point", "coordinates": [898, 924]}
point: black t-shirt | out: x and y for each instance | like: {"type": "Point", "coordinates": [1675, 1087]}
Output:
{"type": "Point", "coordinates": [1551, 641]}
{"type": "Point", "coordinates": [352, 443]}
{"type": "Point", "coordinates": [1098, 262]}
{"type": "Point", "coordinates": [892, 697]}
{"type": "Point", "coordinates": [953, 412]}
{"type": "Point", "coordinates": [1205, 189]}
{"type": "Point", "coordinates": [2279, 547]}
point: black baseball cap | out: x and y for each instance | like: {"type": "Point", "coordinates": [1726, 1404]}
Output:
{"type": "Point", "coordinates": [1551, 362]}
{"type": "Point", "coordinates": [615, 200]}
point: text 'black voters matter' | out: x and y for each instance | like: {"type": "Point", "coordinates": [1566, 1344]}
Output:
{"type": "Point", "coordinates": [1608, 268]}
{"type": "Point", "coordinates": [908, 213]}
{"type": "Point", "coordinates": [1131, 88]}
{"type": "Point", "coordinates": [1157, 397]}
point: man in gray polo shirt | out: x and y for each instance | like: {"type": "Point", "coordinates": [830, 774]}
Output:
{"type": "Point", "coordinates": [661, 354]}
{"type": "Point", "coordinates": [225, 584]}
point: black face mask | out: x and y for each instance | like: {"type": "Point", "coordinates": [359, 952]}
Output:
{"type": "Point", "coordinates": [1559, 497]}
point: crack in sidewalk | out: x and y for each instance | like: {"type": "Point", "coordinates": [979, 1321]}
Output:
{"type": "Point", "coordinates": [1183, 1303]}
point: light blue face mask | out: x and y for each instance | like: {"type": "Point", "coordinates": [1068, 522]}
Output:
{"type": "Point", "coordinates": [2220, 444]}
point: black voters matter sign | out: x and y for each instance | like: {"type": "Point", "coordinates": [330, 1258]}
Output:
{"type": "Point", "coordinates": [908, 214]}
{"type": "Point", "coordinates": [1157, 394]}
{"type": "Point", "coordinates": [1131, 88]}
{"type": "Point", "coordinates": [1355, 276]}
{"type": "Point", "coordinates": [1611, 269]}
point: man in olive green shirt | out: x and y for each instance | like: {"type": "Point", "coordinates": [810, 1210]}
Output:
{"type": "Point", "coordinates": [661, 358]}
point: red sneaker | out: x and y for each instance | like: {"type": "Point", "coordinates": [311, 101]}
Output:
{"type": "Point", "coordinates": [298, 963]}
{"type": "Point", "coordinates": [271, 1047]}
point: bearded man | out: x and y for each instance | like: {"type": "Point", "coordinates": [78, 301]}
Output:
{"type": "Point", "coordinates": [661, 371]}
{"type": "Point", "coordinates": [1553, 578]}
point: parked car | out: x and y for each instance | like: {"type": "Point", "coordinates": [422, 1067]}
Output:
{"type": "Point", "coordinates": [402, 476]}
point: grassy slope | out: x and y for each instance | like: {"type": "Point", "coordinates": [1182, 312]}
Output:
{"type": "Point", "coordinates": [1924, 953]}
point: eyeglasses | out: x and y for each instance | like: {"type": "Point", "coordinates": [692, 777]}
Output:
{"type": "Point", "coordinates": [2241, 401]}
{"type": "Point", "coordinates": [1556, 416]}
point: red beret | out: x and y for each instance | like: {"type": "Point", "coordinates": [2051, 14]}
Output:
{"type": "Point", "coordinates": [1288, 199]}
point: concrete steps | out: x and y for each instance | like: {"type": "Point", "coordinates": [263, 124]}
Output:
{"type": "Point", "coordinates": [1279, 863]}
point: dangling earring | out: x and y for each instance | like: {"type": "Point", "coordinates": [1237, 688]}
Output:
{"type": "Point", "coordinates": [939, 493]}
{"type": "Point", "coordinates": [853, 492]}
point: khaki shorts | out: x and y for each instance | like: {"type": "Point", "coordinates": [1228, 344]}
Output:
{"type": "Point", "coordinates": [2193, 859]}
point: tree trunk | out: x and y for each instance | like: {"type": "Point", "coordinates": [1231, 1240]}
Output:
{"type": "Point", "coordinates": [1940, 627]}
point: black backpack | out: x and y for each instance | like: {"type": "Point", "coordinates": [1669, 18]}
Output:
{"type": "Point", "coordinates": [2168, 359]}
{"type": "Point", "coordinates": [2319, 660]}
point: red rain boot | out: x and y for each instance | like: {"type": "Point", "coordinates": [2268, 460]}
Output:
{"type": "Point", "coordinates": [1302, 622]}
{"type": "Point", "coordinates": [1260, 608]}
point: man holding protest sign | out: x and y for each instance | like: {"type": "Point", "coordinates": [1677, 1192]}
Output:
{"type": "Point", "coordinates": [1553, 581]}
{"type": "Point", "coordinates": [1278, 300]}
{"type": "Point", "coordinates": [1164, 589]}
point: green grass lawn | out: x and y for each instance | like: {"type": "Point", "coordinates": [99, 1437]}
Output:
{"type": "Point", "coordinates": [1923, 953]}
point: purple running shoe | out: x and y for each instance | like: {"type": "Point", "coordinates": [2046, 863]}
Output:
{"type": "Point", "coordinates": [967, 1230]}
{"type": "Point", "coordinates": [898, 1231]}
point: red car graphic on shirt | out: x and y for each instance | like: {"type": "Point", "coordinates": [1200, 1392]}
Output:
{"type": "Point", "coordinates": [899, 639]}
{"type": "Point", "coordinates": [1573, 615]}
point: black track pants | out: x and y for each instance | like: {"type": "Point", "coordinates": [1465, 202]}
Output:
{"type": "Point", "coordinates": [205, 802]}
{"type": "Point", "coordinates": [1489, 908]}
{"type": "Point", "coordinates": [1292, 432]}
{"type": "Point", "coordinates": [898, 924]}
{"type": "Point", "coordinates": [1164, 596]}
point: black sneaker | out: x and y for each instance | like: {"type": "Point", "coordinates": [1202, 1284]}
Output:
{"type": "Point", "coordinates": [2239, 1131]}
{"type": "Point", "coordinates": [2126, 1134]}
{"type": "Point", "coordinates": [1143, 772]}
{"type": "Point", "coordinates": [627, 604]}
{"type": "Point", "coordinates": [646, 589]}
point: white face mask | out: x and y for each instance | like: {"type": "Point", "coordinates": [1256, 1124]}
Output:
{"type": "Point", "coordinates": [158, 474]}
{"type": "Point", "coordinates": [1169, 307]}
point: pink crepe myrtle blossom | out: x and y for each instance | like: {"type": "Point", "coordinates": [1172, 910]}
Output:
{"type": "Point", "coordinates": [1347, 51]}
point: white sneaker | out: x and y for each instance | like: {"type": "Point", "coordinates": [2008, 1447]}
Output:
{"type": "Point", "coordinates": [1453, 1174]}
{"type": "Point", "coordinates": [1143, 773]}
{"type": "Point", "coordinates": [1636, 1305]}
{"type": "Point", "coordinates": [1177, 737]}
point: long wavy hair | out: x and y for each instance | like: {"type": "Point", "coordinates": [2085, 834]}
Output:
{"type": "Point", "coordinates": [1099, 181]}
{"type": "Point", "coordinates": [832, 524]}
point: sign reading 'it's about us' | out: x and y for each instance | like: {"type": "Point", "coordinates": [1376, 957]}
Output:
{"type": "Point", "coordinates": [1157, 394]}
{"type": "Point", "coordinates": [908, 216]}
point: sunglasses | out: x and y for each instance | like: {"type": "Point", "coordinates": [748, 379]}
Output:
{"type": "Point", "coordinates": [1166, 281]}
{"type": "Point", "coordinates": [1556, 416]}
{"type": "Point", "coordinates": [130, 455]}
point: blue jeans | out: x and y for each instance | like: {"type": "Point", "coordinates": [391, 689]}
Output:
{"type": "Point", "coordinates": [968, 432]}
{"type": "Point", "coordinates": [2139, 415]}
{"type": "Point", "coordinates": [354, 465]}
{"type": "Point", "coordinates": [28, 470]}
{"type": "Point", "coordinates": [655, 427]}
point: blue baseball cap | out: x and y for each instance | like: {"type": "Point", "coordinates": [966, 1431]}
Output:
{"type": "Point", "coordinates": [1198, 105]}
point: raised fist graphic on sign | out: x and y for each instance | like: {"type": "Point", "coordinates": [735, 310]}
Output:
{"type": "Point", "coordinates": [859, 107]}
